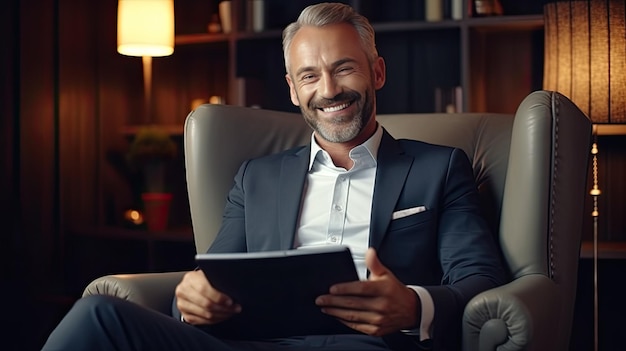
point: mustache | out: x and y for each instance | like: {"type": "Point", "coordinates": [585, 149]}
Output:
{"type": "Point", "coordinates": [341, 97]}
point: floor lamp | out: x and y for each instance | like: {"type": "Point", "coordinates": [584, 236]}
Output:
{"type": "Point", "coordinates": [585, 59]}
{"type": "Point", "coordinates": [145, 28]}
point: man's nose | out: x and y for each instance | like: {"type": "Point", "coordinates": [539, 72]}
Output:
{"type": "Point", "coordinates": [329, 87]}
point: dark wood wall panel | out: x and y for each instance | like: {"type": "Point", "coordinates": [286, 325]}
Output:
{"type": "Point", "coordinates": [78, 138]}
{"type": "Point", "coordinates": [38, 158]}
{"type": "Point", "coordinates": [120, 102]}
{"type": "Point", "coordinates": [189, 74]}
{"type": "Point", "coordinates": [11, 244]}
{"type": "Point", "coordinates": [193, 16]}
{"type": "Point", "coordinates": [495, 86]}
{"type": "Point", "coordinates": [613, 187]}
{"type": "Point", "coordinates": [9, 149]}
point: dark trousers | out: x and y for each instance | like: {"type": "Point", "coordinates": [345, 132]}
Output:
{"type": "Point", "coordinates": [109, 323]}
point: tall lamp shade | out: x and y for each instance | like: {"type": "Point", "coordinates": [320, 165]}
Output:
{"type": "Point", "coordinates": [145, 27]}
{"type": "Point", "coordinates": [585, 56]}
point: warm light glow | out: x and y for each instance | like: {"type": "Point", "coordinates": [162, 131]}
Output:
{"type": "Point", "coordinates": [145, 27]}
{"type": "Point", "coordinates": [585, 56]}
{"type": "Point", "coordinates": [133, 216]}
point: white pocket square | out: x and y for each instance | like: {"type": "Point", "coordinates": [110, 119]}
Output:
{"type": "Point", "coordinates": [407, 212]}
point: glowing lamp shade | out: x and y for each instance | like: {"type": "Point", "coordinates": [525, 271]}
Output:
{"type": "Point", "coordinates": [145, 27]}
{"type": "Point", "coordinates": [585, 56]}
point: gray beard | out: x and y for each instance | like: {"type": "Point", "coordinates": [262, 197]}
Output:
{"type": "Point", "coordinates": [339, 132]}
{"type": "Point", "coordinates": [343, 134]}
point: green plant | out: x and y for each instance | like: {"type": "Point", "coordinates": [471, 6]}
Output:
{"type": "Point", "coordinates": [151, 145]}
{"type": "Point", "coordinates": [149, 151]}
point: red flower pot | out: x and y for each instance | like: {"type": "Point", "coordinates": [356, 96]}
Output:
{"type": "Point", "coordinates": [156, 210]}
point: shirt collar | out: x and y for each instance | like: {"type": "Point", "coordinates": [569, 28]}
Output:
{"type": "Point", "coordinates": [370, 146]}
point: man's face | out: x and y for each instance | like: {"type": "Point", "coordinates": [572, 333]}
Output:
{"type": "Point", "coordinates": [333, 83]}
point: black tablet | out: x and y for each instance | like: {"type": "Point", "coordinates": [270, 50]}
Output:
{"type": "Point", "coordinates": [277, 290]}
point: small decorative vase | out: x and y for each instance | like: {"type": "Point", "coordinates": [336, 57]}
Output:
{"type": "Point", "coordinates": [487, 8]}
{"type": "Point", "coordinates": [156, 210]}
{"type": "Point", "coordinates": [224, 9]}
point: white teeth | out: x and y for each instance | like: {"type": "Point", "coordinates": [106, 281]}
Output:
{"type": "Point", "coordinates": [336, 108]}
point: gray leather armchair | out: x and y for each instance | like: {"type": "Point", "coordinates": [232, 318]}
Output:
{"type": "Point", "coordinates": [531, 172]}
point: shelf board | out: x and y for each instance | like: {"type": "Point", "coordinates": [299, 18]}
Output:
{"type": "Point", "coordinates": [170, 129]}
{"type": "Point", "coordinates": [506, 22]}
{"type": "Point", "coordinates": [266, 34]}
{"type": "Point", "coordinates": [200, 38]}
{"type": "Point", "coordinates": [207, 38]}
{"type": "Point", "coordinates": [606, 250]}
{"type": "Point", "coordinates": [494, 22]}
{"type": "Point", "coordinates": [383, 27]}
{"type": "Point", "coordinates": [609, 129]}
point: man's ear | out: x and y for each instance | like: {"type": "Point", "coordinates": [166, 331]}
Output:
{"type": "Point", "coordinates": [292, 91]}
{"type": "Point", "coordinates": [380, 73]}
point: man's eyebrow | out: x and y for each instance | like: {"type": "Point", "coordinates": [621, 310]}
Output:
{"type": "Point", "coordinates": [342, 61]}
{"type": "Point", "coordinates": [304, 69]}
{"type": "Point", "coordinates": [334, 65]}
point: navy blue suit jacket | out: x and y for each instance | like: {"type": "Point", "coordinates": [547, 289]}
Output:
{"type": "Point", "coordinates": [448, 249]}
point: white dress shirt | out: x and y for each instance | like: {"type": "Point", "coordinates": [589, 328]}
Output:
{"type": "Point", "coordinates": [336, 210]}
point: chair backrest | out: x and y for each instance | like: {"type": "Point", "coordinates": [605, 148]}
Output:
{"type": "Point", "coordinates": [530, 170]}
{"type": "Point", "coordinates": [218, 138]}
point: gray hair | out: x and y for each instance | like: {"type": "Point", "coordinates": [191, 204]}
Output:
{"type": "Point", "coordinates": [323, 14]}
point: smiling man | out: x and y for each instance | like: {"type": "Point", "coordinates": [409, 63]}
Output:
{"type": "Point", "coordinates": [334, 81]}
{"type": "Point", "coordinates": [409, 211]}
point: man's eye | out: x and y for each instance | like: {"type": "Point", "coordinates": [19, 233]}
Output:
{"type": "Point", "coordinates": [307, 77]}
{"type": "Point", "coordinates": [344, 69]}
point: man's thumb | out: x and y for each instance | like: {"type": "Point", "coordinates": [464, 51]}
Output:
{"type": "Point", "coordinates": [374, 265]}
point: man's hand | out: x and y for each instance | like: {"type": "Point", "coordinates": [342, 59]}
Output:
{"type": "Point", "coordinates": [200, 303]}
{"type": "Point", "coordinates": [378, 306]}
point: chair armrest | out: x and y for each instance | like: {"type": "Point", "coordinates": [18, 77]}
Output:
{"type": "Point", "coordinates": [520, 315]}
{"type": "Point", "coordinates": [152, 290]}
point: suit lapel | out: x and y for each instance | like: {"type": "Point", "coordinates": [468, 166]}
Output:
{"type": "Point", "coordinates": [292, 176]}
{"type": "Point", "coordinates": [392, 170]}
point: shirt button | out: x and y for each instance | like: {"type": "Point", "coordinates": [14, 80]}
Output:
{"type": "Point", "coordinates": [333, 239]}
{"type": "Point", "coordinates": [338, 208]}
